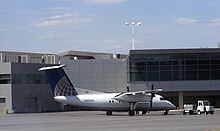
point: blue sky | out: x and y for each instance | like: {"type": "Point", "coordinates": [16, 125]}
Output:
{"type": "Point", "coordinates": [54, 26]}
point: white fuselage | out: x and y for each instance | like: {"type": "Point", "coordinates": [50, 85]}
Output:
{"type": "Point", "coordinates": [106, 101]}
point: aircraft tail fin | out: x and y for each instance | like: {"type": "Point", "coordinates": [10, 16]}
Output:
{"type": "Point", "coordinates": [59, 81]}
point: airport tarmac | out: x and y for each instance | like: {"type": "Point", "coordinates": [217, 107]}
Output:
{"type": "Point", "coordinates": [98, 121]}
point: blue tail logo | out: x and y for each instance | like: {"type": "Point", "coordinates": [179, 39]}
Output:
{"type": "Point", "coordinates": [59, 81]}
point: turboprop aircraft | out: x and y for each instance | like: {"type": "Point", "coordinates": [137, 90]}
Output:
{"type": "Point", "coordinates": [64, 92]}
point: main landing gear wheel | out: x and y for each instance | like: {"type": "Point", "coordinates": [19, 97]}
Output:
{"type": "Point", "coordinates": [131, 113]}
{"type": "Point", "coordinates": [132, 108]}
{"type": "Point", "coordinates": [144, 112]}
{"type": "Point", "coordinates": [108, 113]}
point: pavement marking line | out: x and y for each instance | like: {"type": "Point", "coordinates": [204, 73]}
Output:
{"type": "Point", "coordinates": [212, 130]}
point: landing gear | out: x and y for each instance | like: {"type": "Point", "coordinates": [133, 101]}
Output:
{"type": "Point", "coordinates": [131, 113]}
{"type": "Point", "coordinates": [108, 113]}
{"type": "Point", "coordinates": [166, 112]}
{"type": "Point", "coordinates": [132, 108]}
{"type": "Point", "coordinates": [143, 112]}
{"type": "Point", "coordinates": [211, 112]}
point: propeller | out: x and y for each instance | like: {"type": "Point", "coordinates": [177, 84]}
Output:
{"type": "Point", "coordinates": [152, 95]}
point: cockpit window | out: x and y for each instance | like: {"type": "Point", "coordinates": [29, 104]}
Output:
{"type": "Point", "coordinates": [161, 98]}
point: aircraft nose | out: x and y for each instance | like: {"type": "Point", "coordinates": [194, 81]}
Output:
{"type": "Point", "coordinates": [172, 106]}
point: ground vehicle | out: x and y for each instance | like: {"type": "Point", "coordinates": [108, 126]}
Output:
{"type": "Point", "coordinates": [189, 108]}
{"type": "Point", "coordinates": [202, 107]}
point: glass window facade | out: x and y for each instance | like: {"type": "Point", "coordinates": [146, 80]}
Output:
{"type": "Point", "coordinates": [23, 79]}
{"type": "Point", "coordinates": [29, 79]}
{"type": "Point", "coordinates": [174, 67]}
{"type": "Point", "coordinates": [5, 78]}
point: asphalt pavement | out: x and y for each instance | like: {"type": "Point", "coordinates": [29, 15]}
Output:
{"type": "Point", "coordinates": [98, 121]}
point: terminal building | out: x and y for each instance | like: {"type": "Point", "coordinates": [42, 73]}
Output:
{"type": "Point", "coordinates": [96, 71]}
{"type": "Point", "coordinates": [22, 87]}
{"type": "Point", "coordinates": [184, 75]}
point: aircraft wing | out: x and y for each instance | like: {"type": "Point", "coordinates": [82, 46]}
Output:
{"type": "Point", "coordinates": [143, 92]}
{"type": "Point", "coordinates": [138, 96]}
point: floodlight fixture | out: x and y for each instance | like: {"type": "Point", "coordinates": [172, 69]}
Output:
{"type": "Point", "coordinates": [133, 25]}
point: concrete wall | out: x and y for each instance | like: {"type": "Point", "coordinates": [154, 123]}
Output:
{"type": "Point", "coordinates": [5, 89]}
{"type": "Point", "coordinates": [5, 92]}
{"type": "Point", "coordinates": [98, 74]}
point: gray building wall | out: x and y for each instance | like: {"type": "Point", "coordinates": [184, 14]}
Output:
{"type": "Point", "coordinates": [32, 97]}
{"type": "Point", "coordinates": [29, 94]}
{"type": "Point", "coordinates": [104, 75]}
{"type": "Point", "coordinates": [5, 89]}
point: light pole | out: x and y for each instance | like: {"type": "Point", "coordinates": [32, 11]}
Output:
{"type": "Point", "coordinates": [133, 25]}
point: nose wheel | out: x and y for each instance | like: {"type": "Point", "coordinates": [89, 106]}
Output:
{"type": "Point", "coordinates": [166, 112]}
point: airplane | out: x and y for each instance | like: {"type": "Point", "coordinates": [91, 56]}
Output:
{"type": "Point", "coordinates": [65, 93]}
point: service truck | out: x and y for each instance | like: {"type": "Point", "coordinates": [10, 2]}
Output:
{"type": "Point", "coordinates": [190, 109]}
{"type": "Point", "coordinates": [203, 107]}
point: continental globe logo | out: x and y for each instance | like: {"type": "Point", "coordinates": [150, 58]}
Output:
{"type": "Point", "coordinates": [64, 88]}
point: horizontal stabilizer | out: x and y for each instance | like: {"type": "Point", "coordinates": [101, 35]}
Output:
{"type": "Point", "coordinates": [51, 67]}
